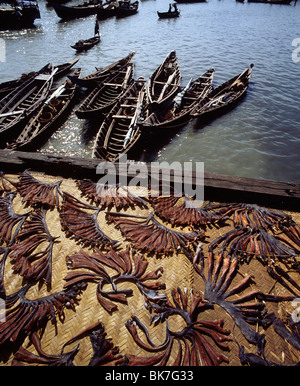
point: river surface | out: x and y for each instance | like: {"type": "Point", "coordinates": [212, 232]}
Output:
{"type": "Point", "coordinates": [259, 138]}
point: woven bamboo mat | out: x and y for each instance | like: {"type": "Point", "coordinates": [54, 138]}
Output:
{"type": "Point", "coordinates": [177, 272]}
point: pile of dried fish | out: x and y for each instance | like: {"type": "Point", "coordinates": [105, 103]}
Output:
{"type": "Point", "coordinates": [270, 236]}
{"type": "Point", "coordinates": [35, 192]}
{"type": "Point", "coordinates": [220, 274]}
{"type": "Point", "coordinates": [146, 233]}
{"type": "Point", "coordinates": [24, 315]}
{"type": "Point", "coordinates": [29, 263]}
{"type": "Point", "coordinates": [104, 352]}
{"type": "Point", "coordinates": [204, 335]}
{"type": "Point", "coordinates": [109, 195]}
{"type": "Point", "coordinates": [128, 267]}
{"type": "Point", "coordinates": [185, 213]}
{"type": "Point", "coordinates": [9, 219]}
{"type": "Point", "coordinates": [78, 224]}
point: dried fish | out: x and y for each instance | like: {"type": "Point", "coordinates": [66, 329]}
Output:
{"type": "Point", "coordinates": [25, 315]}
{"type": "Point", "coordinates": [128, 268]}
{"type": "Point", "coordinates": [29, 263]}
{"type": "Point", "coordinates": [9, 219]}
{"type": "Point", "coordinates": [146, 233]}
{"type": "Point", "coordinates": [109, 195]}
{"type": "Point", "coordinates": [220, 273]}
{"type": "Point", "coordinates": [36, 192]}
{"type": "Point", "coordinates": [23, 355]}
{"type": "Point", "coordinates": [80, 225]}
{"type": "Point", "coordinates": [198, 343]}
{"type": "Point", "coordinates": [183, 214]}
{"type": "Point", "coordinates": [104, 351]}
{"type": "Point", "coordinates": [251, 215]}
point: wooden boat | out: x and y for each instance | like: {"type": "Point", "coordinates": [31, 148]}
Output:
{"type": "Point", "coordinates": [102, 98]}
{"type": "Point", "coordinates": [190, 1]}
{"type": "Point", "coordinates": [52, 111]}
{"type": "Point", "coordinates": [107, 10]}
{"type": "Point", "coordinates": [225, 96]}
{"type": "Point", "coordinates": [94, 79]}
{"type": "Point", "coordinates": [10, 85]}
{"type": "Point", "coordinates": [17, 106]}
{"type": "Point", "coordinates": [119, 131]}
{"type": "Point", "coordinates": [84, 45]}
{"type": "Point", "coordinates": [126, 8]}
{"type": "Point", "coordinates": [18, 13]}
{"type": "Point", "coordinates": [171, 13]}
{"type": "Point", "coordinates": [165, 80]}
{"type": "Point", "coordinates": [177, 113]}
{"type": "Point", "coordinates": [168, 15]}
{"type": "Point", "coordinates": [76, 11]}
{"type": "Point", "coordinates": [280, 2]}
{"type": "Point", "coordinates": [257, 1]}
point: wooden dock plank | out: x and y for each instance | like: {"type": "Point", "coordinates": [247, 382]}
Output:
{"type": "Point", "coordinates": [216, 186]}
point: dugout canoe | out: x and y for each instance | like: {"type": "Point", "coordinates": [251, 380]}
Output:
{"type": "Point", "coordinates": [17, 107]}
{"type": "Point", "coordinates": [10, 85]}
{"type": "Point", "coordinates": [119, 131]}
{"type": "Point", "coordinates": [94, 79]}
{"type": "Point", "coordinates": [103, 97]}
{"type": "Point", "coordinates": [177, 112]}
{"type": "Point", "coordinates": [84, 45]}
{"type": "Point", "coordinates": [224, 97]}
{"type": "Point", "coordinates": [54, 109]}
{"type": "Point", "coordinates": [168, 15]}
{"type": "Point", "coordinates": [164, 81]}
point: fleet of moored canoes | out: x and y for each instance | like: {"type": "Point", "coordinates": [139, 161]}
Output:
{"type": "Point", "coordinates": [126, 109]}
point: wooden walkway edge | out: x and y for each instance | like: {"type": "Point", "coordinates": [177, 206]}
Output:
{"type": "Point", "coordinates": [217, 187]}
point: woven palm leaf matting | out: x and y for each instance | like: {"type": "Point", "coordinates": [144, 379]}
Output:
{"type": "Point", "coordinates": [176, 270]}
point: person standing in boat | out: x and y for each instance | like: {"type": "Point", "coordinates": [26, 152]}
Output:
{"type": "Point", "coordinates": [97, 32]}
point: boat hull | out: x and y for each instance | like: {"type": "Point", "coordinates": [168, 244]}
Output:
{"type": "Point", "coordinates": [65, 12]}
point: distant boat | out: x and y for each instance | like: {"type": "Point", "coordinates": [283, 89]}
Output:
{"type": "Point", "coordinates": [77, 11]}
{"type": "Point", "coordinates": [190, 1]}
{"type": "Point", "coordinates": [283, 2]}
{"type": "Point", "coordinates": [126, 8]}
{"type": "Point", "coordinates": [170, 13]}
{"type": "Point", "coordinates": [280, 2]}
{"type": "Point", "coordinates": [84, 45]}
{"type": "Point", "coordinates": [17, 14]}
